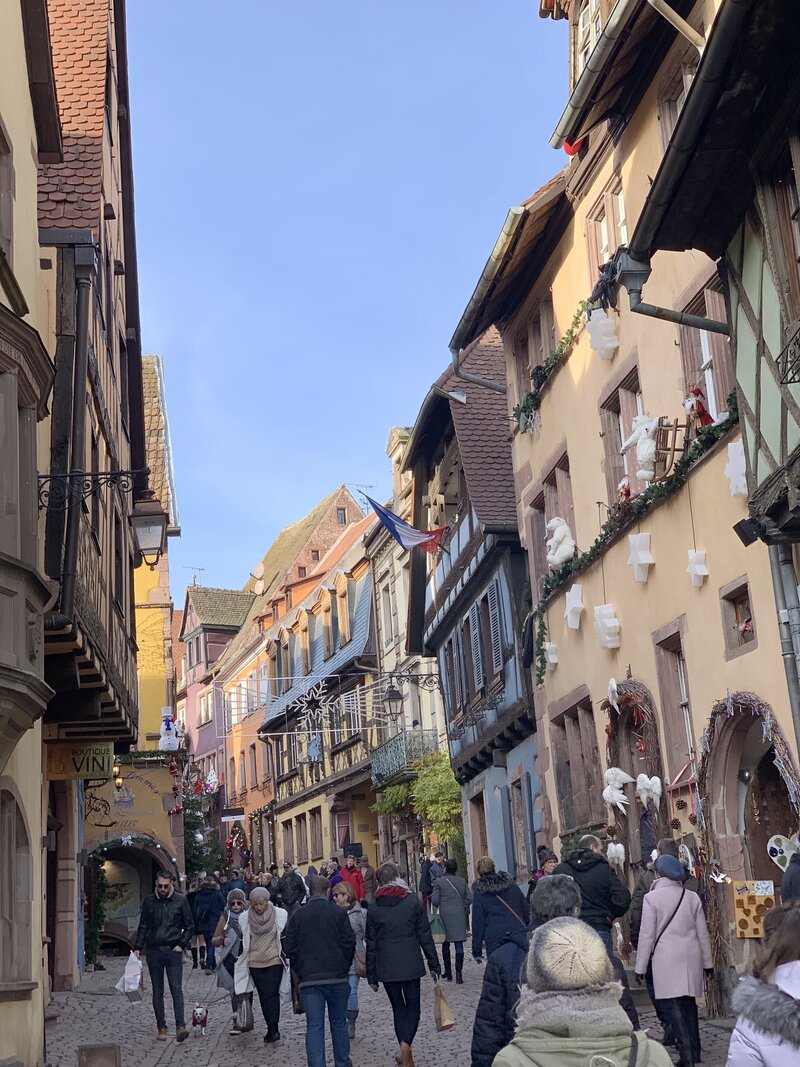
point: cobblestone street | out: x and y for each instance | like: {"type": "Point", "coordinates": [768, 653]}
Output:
{"type": "Point", "coordinates": [97, 1014]}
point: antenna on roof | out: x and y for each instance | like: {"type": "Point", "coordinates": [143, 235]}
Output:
{"type": "Point", "coordinates": [195, 571]}
{"type": "Point", "coordinates": [359, 487]}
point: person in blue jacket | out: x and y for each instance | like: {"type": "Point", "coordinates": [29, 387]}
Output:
{"type": "Point", "coordinates": [208, 905]}
{"type": "Point", "coordinates": [499, 907]}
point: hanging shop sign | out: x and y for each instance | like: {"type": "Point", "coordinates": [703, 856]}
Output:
{"type": "Point", "coordinates": [71, 760]}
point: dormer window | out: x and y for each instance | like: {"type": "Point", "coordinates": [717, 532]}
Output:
{"type": "Point", "coordinates": [305, 651]}
{"type": "Point", "coordinates": [327, 628]}
{"type": "Point", "coordinates": [587, 32]}
{"type": "Point", "coordinates": [272, 655]}
{"type": "Point", "coordinates": [286, 665]}
{"type": "Point", "coordinates": [342, 608]}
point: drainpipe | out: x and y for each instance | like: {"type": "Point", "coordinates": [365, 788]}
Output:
{"type": "Point", "coordinates": [787, 602]}
{"type": "Point", "coordinates": [501, 248]}
{"type": "Point", "coordinates": [632, 273]}
{"type": "Point", "coordinates": [84, 265]}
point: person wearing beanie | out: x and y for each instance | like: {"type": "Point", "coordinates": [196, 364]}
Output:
{"type": "Point", "coordinates": [261, 947]}
{"type": "Point", "coordinates": [569, 1012]}
{"type": "Point", "coordinates": [673, 941]}
{"type": "Point", "coordinates": [548, 861]}
{"type": "Point", "coordinates": [232, 971]}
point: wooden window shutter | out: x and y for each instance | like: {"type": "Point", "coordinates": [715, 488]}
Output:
{"type": "Point", "coordinates": [508, 828]}
{"type": "Point", "coordinates": [722, 367]}
{"type": "Point", "coordinates": [493, 595]}
{"type": "Point", "coordinates": [564, 490]}
{"type": "Point", "coordinates": [527, 822]}
{"type": "Point", "coordinates": [456, 658]}
{"type": "Point", "coordinates": [444, 675]}
{"type": "Point", "coordinates": [477, 650]}
{"type": "Point", "coordinates": [551, 501]}
{"type": "Point", "coordinates": [613, 466]}
{"type": "Point", "coordinates": [627, 412]}
{"type": "Point", "coordinates": [691, 357]}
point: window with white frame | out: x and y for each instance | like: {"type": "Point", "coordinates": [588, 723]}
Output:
{"type": "Point", "coordinates": [588, 27]}
{"type": "Point", "coordinates": [387, 620]}
{"type": "Point", "coordinates": [607, 226]}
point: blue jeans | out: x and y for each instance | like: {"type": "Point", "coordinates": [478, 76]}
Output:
{"type": "Point", "coordinates": [315, 997]}
{"type": "Point", "coordinates": [211, 954]}
{"type": "Point", "coordinates": [160, 960]}
{"type": "Point", "coordinates": [352, 1000]}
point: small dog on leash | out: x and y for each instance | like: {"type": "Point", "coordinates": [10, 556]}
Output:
{"type": "Point", "coordinates": [200, 1017]}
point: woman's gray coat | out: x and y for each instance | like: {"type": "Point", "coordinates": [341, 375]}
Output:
{"type": "Point", "coordinates": [452, 896]}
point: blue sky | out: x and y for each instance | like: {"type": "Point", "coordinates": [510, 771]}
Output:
{"type": "Point", "coordinates": [318, 186]}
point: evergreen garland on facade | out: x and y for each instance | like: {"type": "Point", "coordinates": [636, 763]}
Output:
{"type": "Point", "coordinates": [529, 404]}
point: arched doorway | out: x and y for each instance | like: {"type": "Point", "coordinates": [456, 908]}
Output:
{"type": "Point", "coordinates": [130, 864]}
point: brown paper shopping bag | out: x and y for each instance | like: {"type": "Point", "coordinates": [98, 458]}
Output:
{"type": "Point", "coordinates": [442, 1015]}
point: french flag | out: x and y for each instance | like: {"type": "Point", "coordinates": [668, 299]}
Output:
{"type": "Point", "coordinates": [405, 535]}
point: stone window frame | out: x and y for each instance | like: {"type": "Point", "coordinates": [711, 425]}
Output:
{"type": "Point", "coordinates": [16, 967]}
{"type": "Point", "coordinates": [730, 595]}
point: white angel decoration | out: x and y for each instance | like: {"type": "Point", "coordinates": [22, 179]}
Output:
{"type": "Point", "coordinates": [615, 854]}
{"type": "Point", "coordinates": [613, 793]}
{"type": "Point", "coordinates": [613, 694]}
{"type": "Point", "coordinates": [643, 438]}
{"type": "Point", "coordinates": [560, 543]}
{"type": "Point", "coordinates": [648, 789]}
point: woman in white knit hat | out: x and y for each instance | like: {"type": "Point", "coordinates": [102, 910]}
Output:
{"type": "Point", "coordinates": [569, 1014]}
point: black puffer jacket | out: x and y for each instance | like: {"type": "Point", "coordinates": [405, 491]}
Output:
{"type": "Point", "coordinates": [604, 897]}
{"type": "Point", "coordinates": [165, 923]}
{"type": "Point", "coordinates": [398, 932]}
{"type": "Point", "coordinates": [498, 908]}
{"type": "Point", "coordinates": [495, 1018]}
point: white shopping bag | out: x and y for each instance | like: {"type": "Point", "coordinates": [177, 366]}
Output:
{"type": "Point", "coordinates": [285, 988]}
{"type": "Point", "coordinates": [131, 981]}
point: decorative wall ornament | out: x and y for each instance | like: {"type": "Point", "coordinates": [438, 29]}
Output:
{"type": "Point", "coordinates": [573, 606]}
{"type": "Point", "coordinates": [639, 555]}
{"type": "Point", "coordinates": [643, 439]}
{"type": "Point", "coordinates": [603, 338]}
{"type": "Point", "coordinates": [560, 543]}
{"type": "Point", "coordinates": [613, 794]}
{"type": "Point", "coordinates": [551, 651]}
{"type": "Point", "coordinates": [697, 568]}
{"type": "Point", "coordinates": [735, 469]}
{"type": "Point", "coordinates": [648, 789]}
{"type": "Point", "coordinates": [607, 626]}
{"type": "Point", "coordinates": [613, 694]}
{"type": "Point", "coordinates": [615, 854]}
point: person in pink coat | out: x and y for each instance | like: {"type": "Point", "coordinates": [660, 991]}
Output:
{"type": "Point", "coordinates": [673, 940]}
{"type": "Point", "coordinates": [767, 1032]}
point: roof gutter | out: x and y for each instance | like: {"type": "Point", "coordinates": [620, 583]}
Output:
{"type": "Point", "coordinates": [496, 260]}
{"type": "Point", "coordinates": [587, 83]}
{"type": "Point", "coordinates": [700, 102]}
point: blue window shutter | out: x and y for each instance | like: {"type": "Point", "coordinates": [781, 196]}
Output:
{"type": "Point", "coordinates": [508, 830]}
{"type": "Point", "coordinates": [493, 594]}
{"type": "Point", "coordinates": [477, 646]}
{"type": "Point", "coordinates": [527, 822]}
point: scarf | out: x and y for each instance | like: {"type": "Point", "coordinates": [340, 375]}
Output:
{"type": "Point", "coordinates": [397, 888]}
{"type": "Point", "coordinates": [592, 1006]}
{"type": "Point", "coordinates": [262, 924]}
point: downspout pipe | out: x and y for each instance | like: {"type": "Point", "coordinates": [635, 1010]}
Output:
{"type": "Point", "coordinates": [787, 602]}
{"type": "Point", "coordinates": [501, 248]}
{"type": "Point", "coordinates": [84, 267]}
{"type": "Point", "coordinates": [632, 273]}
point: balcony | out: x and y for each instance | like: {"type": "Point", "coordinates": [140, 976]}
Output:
{"type": "Point", "coordinates": [393, 762]}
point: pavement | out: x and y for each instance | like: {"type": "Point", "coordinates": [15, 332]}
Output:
{"type": "Point", "coordinates": [96, 1014]}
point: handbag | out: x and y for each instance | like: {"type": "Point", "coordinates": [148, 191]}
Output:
{"type": "Point", "coordinates": [361, 964]}
{"type": "Point", "coordinates": [285, 988]}
{"type": "Point", "coordinates": [442, 1015]}
{"type": "Point", "coordinates": [437, 928]}
{"type": "Point", "coordinates": [297, 995]}
{"type": "Point", "coordinates": [244, 1012]}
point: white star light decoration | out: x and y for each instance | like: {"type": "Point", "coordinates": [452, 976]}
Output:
{"type": "Point", "coordinates": [697, 569]}
{"type": "Point", "coordinates": [735, 470]}
{"type": "Point", "coordinates": [573, 607]}
{"type": "Point", "coordinates": [551, 654]}
{"type": "Point", "coordinates": [639, 555]}
{"type": "Point", "coordinates": [607, 626]}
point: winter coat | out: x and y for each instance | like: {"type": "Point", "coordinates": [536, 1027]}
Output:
{"type": "Point", "coordinates": [320, 942]}
{"type": "Point", "coordinates": [234, 883]}
{"type": "Point", "coordinates": [452, 896]}
{"type": "Point", "coordinates": [684, 949]}
{"type": "Point", "coordinates": [646, 879]}
{"type": "Point", "coordinates": [241, 982]}
{"type": "Point", "coordinates": [498, 907]}
{"type": "Point", "coordinates": [767, 1032]}
{"type": "Point", "coordinates": [358, 921]}
{"type": "Point", "coordinates": [370, 882]}
{"type": "Point", "coordinates": [292, 889]}
{"type": "Point", "coordinates": [604, 898]}
{"type": "Point", "coordinates": [165, 923]}
{"type": "Point", "coordinates": [209, 904]}
{"type": "Point", "coordinates": [574, 1030]}
{"type": "Point", "coordinates": [437, 871]}
{"type": "Point", "coordinates": [397, 934]}
{"type": "Point", "coordinates": [356, 879]}
{"type": "Point", "coordinates": [425, 883]}
{"type": "Point", "coordinates": [790, 883]}
{"type": "Point", "coordinates": [333, 881]}
{"type": "Point", "coordinates": [495, 1018]}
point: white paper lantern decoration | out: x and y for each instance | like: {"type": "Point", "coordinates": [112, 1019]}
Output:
{"type": "Point", "coordinates": [602, 336]}
{"type": "Point", "coordinates": [735, 469]}
{"type": "Point", "coordinates": [697, 569]}
{"type": "Point", "coordinates": [639, 556]}
{"type": "Point", "coordinates": [573, 606]}
{"type": "Point", "coordinates": [551, 654]}
{"type": "Point", "coordinates": [607, 626]}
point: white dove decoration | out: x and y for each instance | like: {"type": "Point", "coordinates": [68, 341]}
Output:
{"type": "Point", "coordinates": [649, 789]}
{"type": "Point", "coordinates": [613, 694]}
{"type": "Point", "coordinates": [613, 794]}
{"type": "Point", "coordinates": [615, 854]}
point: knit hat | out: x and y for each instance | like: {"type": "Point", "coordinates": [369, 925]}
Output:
{"type": "Point", "coordinates": [546, 855]}
{"type": "Point", "coordinates": [236, 894]}
{"type": "Point", "coordinates": [565, 953]}
{"type": "Point", "coordinates": [258, 893]}
{"type": "Point", "coordinates": [669, 867]}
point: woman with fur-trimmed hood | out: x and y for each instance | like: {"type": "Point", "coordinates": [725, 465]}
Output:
{"type": "Point", "coordinates": [499, 908]}
{"type": "Point", "coordinates": [767, 1032]}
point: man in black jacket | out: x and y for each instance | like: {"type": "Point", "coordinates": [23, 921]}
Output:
{"type": "Point", "coordinates": [291, 888]}
{"type": "Point", "coordinates": [604, 897]}
{"type": "Point", "coordinates": [320, 944]}
{"type": "Point", "coordinates": [165, 931]}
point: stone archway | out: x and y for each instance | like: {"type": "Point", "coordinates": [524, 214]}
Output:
{"type": "Point", "coordinates": [130, 864]}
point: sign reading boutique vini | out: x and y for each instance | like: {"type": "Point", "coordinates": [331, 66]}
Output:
{"type": "Point", "coordinates": [79, 759]}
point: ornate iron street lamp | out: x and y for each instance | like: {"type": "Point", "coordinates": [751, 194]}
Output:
{"type": "Point", "coordinates": [149, 524]}
{"type": "Point", "coordinates": [393, 701]}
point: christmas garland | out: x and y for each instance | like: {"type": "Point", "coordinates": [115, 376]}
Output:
{"type": "Point", "coordinates": [624, 517]}
{"type": "Point", "coordinates": [96, 918]}
{"type": "Point", "coordinates": [529, 404]}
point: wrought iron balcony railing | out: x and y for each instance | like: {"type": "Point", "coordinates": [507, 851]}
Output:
{"type": "Point", "coordinates": [394, 761]}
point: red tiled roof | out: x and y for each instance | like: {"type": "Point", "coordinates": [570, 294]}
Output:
{"type": "Point", "coordinates": [483, 430]}
{"type": "Point", "coordinates": [70, 192]}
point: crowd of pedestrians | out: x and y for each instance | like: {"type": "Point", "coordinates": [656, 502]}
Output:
{"type": "Point", "coordinates": [554, 990]}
